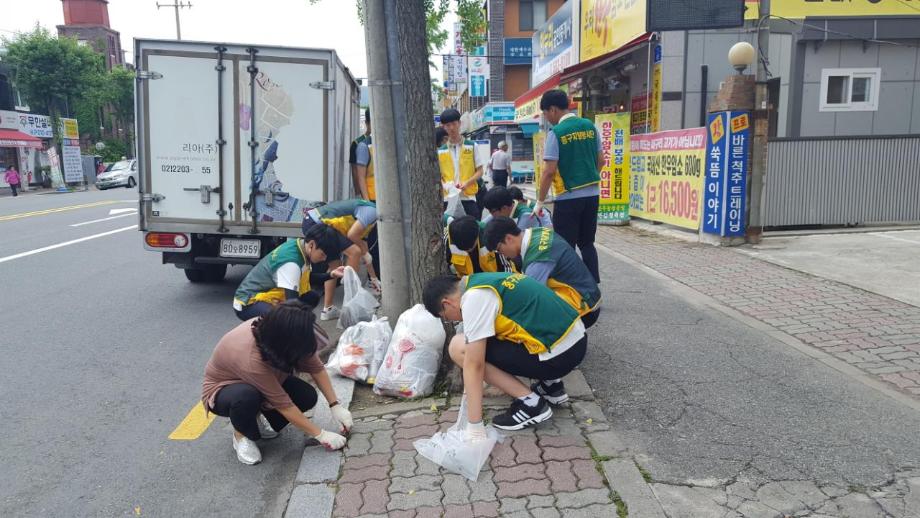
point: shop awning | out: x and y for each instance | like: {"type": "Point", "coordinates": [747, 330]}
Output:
{"type": "Point", "coordinates": [527, 106]}
{"type": "Point", "coordinates": [14, 138]}
{"type": "Point", "coordinates": [576, 70]}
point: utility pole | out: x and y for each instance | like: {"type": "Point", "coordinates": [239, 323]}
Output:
{"type": "Point", "coordinates": [179, 4]}
{"type": "Point", "coordinates": [761, 127]}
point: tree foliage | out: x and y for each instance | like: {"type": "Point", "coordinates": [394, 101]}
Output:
{"type": "Point", "coordinates": [473, 24]}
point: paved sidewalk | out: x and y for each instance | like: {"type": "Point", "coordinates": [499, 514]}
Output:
{"type": "Point", "coordinates": [553, 470]}
{"type": "Point", "coordinates": [875, 334]}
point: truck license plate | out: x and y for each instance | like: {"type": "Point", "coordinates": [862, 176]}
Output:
{"type": "Point", "coordinates": [240, 248]}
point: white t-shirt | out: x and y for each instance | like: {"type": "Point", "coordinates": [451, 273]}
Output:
{"type": "Point", "coordinates": [480, 308]}
{"type": "Point", "coordinates": [287, 276]}
{"type": "Point", "coordinates": [500, 161]}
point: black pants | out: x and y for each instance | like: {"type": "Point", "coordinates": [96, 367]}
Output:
{"type": "Point", "coordinates": [500, 177]}
{"type": "Point", "coordinates": [470, 207]}
{"type": "Point", "coordinates": [373, 245]}
{"type": "Point", "coordinates": [591, 318]}
{"type": "Point", "coordinates": [242, 403]}
{"type": "Point", "coordinates": [15, 188]}
{"type": "Point", "coordinates": [513, 358]}
{"type": "Point", "coordinates": [576, 221]}
{"type": "Point", "coordinates": [257, 309]}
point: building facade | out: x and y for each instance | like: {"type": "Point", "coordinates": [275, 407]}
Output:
{"type": "Point", "coordinates": [88, 22]}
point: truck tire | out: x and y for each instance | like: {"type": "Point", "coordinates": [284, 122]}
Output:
{"type": "Point", "coordinates": [194, 275]}
{"type": "Point", "coordinates": [206, 273]}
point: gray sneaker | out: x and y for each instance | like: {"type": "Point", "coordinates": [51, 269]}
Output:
{"type": "Point", "coordinates": [265, 429]}
{"type": "Point", "coordinates": [247, 451]}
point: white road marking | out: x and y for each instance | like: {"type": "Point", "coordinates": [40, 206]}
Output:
{"type": "Point", "coordinates": [121, 211]}
{"type": "Point", "coordinates": [65, 243]}
{"type": "Point", "coordinates": [888, 236]}
{"type": "Point", "coordinates": [132, 213]}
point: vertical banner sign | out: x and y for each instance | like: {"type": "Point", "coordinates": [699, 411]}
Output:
{"type": "Point", "coordinates": [613, 129]}
{"type": "Point", "coordinates": [727, 166]}
{"type": "Point", "coordinates": [539, 139]}
{"type": "Point", "coordinates": [55, 162]}
{"type": "Point", "coordinates": [70, 151]}
{"type": "Point", "coordinates": [666, 169]}
{"type": "Point", "coordinates": [654, 102]}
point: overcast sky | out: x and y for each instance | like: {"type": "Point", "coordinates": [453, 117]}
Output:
{"type": "Point", "coordinates": [294, 23]}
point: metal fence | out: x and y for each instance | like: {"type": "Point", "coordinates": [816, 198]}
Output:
{"type": "Point", "coordinates": [842, 180]}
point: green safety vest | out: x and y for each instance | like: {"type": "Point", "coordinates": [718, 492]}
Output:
{"type": "Point", "coordinates": [529, 312]}
{"type": "Point", "coordinates": [570, 278]}
{"type": "Point", "coordinates": [340, 215]}
{"type": "Point", "coordinates": [577, 155]}
{"type": "Point", "coordinates": [259, 284]}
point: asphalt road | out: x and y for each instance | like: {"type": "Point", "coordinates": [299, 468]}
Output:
{"type": "Point", "coordinates": [102, 351]}
{"type": "Point", "coordinates": [705, 400]}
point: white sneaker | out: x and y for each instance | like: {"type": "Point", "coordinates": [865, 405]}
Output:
{"type": "Point", "coordinates": [247, 451]}
{"type": "Point", "coordinates": [329, 313]}
{"type": "Point", "coordinates": [265, 429]}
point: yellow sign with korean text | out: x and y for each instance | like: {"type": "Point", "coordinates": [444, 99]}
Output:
{"type": "Point", "coordinates": [70, 129]}
{"type": "Point", "coordinates": [799, 9]}
{"type": "Point", "coordinates": [666, 176]}
{"type": "Point", "coordinates": [539, 138]}
{"type": "Point", "coordinates": [613, 130]}
{"type": "Point", "coordinates": [607, 25]}
{"type": "Point", "coordinates": [654, 102]}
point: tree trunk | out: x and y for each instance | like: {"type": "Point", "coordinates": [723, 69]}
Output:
{"type": "Point", "coordinates": [421, 167]}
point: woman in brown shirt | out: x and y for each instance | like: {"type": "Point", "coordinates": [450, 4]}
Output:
{"type": "Point", "coordinates": [250, 379]}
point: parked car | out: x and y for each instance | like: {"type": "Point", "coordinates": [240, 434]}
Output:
{"type": "Point", "coordinates": [120, 174]}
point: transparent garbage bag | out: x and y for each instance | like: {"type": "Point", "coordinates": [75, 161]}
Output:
{"type": "Point", "coordinates": [359, 304]}
{"type": "Point", "coordinates": [452, 452]}
{"type": "Point", "coordinates": [413, 355]}
{"type": "Point", "coordinates": [454, 207]}
{"type": "Point", "coordinates": [360, 350]}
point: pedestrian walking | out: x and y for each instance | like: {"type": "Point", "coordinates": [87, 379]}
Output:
{"type": "Point", "coordinates": [500, 164]}
{"type": "Point", "coordinates": [251, 378]}
{"type": "Point", "coordinates": [572, 159]}
{"type": "Point", "coordinates": [460, 166]}
{"type": "Point", "coordinates": [12, 177]}
{"type": "Point", "coordinates": [512, 326]}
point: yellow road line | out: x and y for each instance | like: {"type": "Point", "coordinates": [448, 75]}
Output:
{"type": "Point", "coordinates": [194, 424]}
{"type": "Point", "coordinates": [59, 209]}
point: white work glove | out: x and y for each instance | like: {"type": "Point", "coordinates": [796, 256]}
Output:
{"type": "Point", "coordinates": [368, 259]}
{"type": "Point", "coordinates": [538, 209]}
{"type": "Point", "coordinates": [332, 441]}
{"type": "Point", "coordinates": [475, 432]}
{"type": "Point", "coordinates": [343, 417]}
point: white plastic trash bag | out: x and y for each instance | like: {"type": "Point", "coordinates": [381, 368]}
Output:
{"type": "Point", "coordinates": [454, 207]}
{"type": "Point", "coordinates": [359, 304]}
{"type": "Point", "coordinates": [411, 362]}
{"type": "Point", "coordinates": [452, 452]}
{"type": "Point", "coordinates": [356, 356]}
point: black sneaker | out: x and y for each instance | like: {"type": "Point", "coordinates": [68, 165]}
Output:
{"type": "Point", "coordinates": [554, 393]}
{"type": "Point", "coordinates": [520, 415]}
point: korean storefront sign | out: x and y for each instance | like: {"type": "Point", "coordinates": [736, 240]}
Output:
{"type": "Point", "coordinates": [607, 25]}
{"type": "Point", "coordinates": [666, 172]}
{"type": "Point", "coordinates": [518, 51]}
{"type": "Point", "coordinates": [29, 123]}
{"type": "Point", "coordinates": [799, 9]}
{"type": "Point", "coordinates": [727, 166]}
{"type": "Point", "coordinates": [613, 129]}
{"type": "Point", "coordinates": [554, 46]}
{"type": "Point", "coordinates": [654, 102]}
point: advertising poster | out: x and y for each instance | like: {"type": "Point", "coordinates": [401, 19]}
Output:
{"type": "Point", "coordinates": [607, 25]}
{"type": "Point", "coordinates": [70, 151]}
{"type": "Point", "coordinates": [654, 102]}
{"type": "Point", "coordinates": [666, 169]}
{"type": "Point", "coordinates": [613, 129]}
{"type": "Point", "coordinates": [553, 45]}
{"type": "Point", "coordinates": [727, 166]}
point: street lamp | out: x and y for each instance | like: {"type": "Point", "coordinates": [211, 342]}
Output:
{"type": "Point", "coordinates": [741, 56]}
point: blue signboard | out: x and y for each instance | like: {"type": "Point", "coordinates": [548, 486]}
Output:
{"type": "Point", "coordinates": [477, 86]}
{"type": "Point", "coordinates": [499, 112]}
{"type": "Point", "coordinates": [553, 48]}
{"type": "Point", "coordinates": [518, 51]}
{"type": "Point", "coordinates": [727, 166]}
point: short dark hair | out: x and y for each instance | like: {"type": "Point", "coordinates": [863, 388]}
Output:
{"type": "Point", "coordinates": [326, 239]}
{"type": "Point", "coordinates": [285, 335]}
{"type": "Point", "coordinates": [463, 232]}
{"type": "Point", "coordinates": [516, 193]}
{"type": "Point", "coordinates": [367, 115]}
{"type": "Point", "coordinates": [497, 229]}
{"type": "Point", "coordinates": [449, 115]}
{"type": "Point", "coordinates": [556, 98]}
{"type": "Point", "coordinates": [436, 290]}
{"type": "Point", "coordinates": [439, 135]}
{"type": "Point", "coordinates": [496, 198]}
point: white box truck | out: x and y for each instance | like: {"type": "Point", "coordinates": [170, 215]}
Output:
{"type": "Point", "coordinates": [234, 144]}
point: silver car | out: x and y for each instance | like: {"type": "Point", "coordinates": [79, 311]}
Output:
{"type": "Point", "coordinates": [121, 174]}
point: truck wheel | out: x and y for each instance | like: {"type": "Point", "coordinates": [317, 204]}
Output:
{"type": "Point", "coordinates": [215, 272]}
{"type": "Point", "coordinates": [194, 274]}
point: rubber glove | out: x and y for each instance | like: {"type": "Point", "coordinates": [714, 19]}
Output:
{"type": "Point", "coordinates": [331, 440]}
{"type": "Point", "coordinates": [343, 417]}
{"type": "Point", "coordinates": [476, 432]}
{"type": "Point", "coordinates": [538, 209]}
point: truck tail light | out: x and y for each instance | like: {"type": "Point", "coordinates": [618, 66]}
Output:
{"type": "Point", "coordinates": [171, 240]}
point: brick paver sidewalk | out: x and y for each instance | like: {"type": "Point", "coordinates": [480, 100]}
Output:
{"type": "Point", "coordinates": [878, 335]}
{"type": "Point", "coordinates": [549, 471]}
